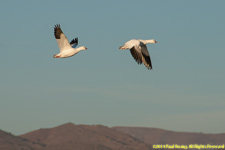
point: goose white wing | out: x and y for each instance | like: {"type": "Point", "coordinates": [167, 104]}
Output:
{"type": "Point", "coordinates": [136, 53]}
{"type": "Point", "coordinates": [62, 40]}
{"type": "Point", "coordinates": [146, 57]}
{"type": "Point", "coordinates": [141, 55]}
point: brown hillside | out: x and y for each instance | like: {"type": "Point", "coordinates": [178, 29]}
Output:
{"type": "Point", "coordinates": [85, 137]}
{"type": "Point", "coordinates": [160, 136]}
{"type": "Point", "coordinates": [11, 142]}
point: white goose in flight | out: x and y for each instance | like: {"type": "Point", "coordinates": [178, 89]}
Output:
{"type": "Point", "coordinates": [139, 51]}
{"type": "Point", "coordinates": [66, 49]}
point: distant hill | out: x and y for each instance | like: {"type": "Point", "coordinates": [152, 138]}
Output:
{"type": "Point", "coordinates": [85, 137]}
{"type": "Point", "coordinates": [11, 142]}
{"type": "Point", "coordinates": [160, 136]}
{"type": "Point", "coordinates": [97, 137]}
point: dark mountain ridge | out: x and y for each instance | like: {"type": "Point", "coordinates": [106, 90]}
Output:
{"type": "Point", "coordinates": [11, 142]}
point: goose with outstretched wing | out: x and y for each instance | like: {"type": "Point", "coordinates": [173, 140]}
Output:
{"type": "Point", "coordinates": [66, 49]}
{"type": "Point", "coordinates": [139, 51]}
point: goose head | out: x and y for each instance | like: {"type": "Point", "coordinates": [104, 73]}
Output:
{"type": "Point", "coordinates": [82, 48]}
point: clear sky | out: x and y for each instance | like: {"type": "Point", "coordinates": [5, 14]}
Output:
{"type": "Point", "coordinates": [185, 91]}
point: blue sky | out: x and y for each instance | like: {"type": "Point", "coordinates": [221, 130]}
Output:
{"type": "Point", "coordinates": [104, 85]}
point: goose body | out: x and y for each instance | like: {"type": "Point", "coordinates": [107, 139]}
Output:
{"type": "Point", "coordinates": [66, 49]}
{"type": "Point", "coordinates": [139, 51]}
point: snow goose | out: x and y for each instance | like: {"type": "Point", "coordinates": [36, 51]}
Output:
{"type": "Point", "coordinates": [66, 49]}
{"type": "Point", "coordinates": [139, 51]}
